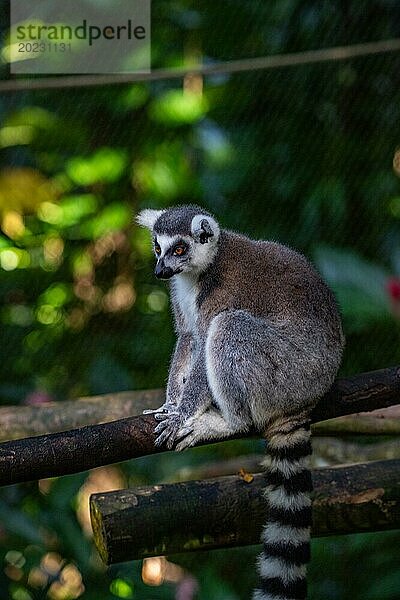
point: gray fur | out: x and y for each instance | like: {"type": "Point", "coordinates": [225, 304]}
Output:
{"type": "Point", "coordinates": [177, 220]}
{"type": "Point", "coordinates": [259, 337]}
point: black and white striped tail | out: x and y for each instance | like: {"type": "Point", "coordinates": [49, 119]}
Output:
{"type": "Point", "coordinates": [286, 536]}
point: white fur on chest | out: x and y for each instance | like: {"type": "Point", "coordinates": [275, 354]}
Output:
{"type": "Point", "coordinates": [185, 290]}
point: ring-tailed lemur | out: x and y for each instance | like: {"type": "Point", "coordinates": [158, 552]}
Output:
{"type": "Point", "coordinates": [259, 342]}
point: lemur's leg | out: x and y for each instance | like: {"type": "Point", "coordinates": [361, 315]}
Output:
{"type": "Point", "coordinates": [258, 375]}
{"type": "Point", "coordinates": [211, 425]}
{"type": "Point", "coordinates": [232, 413]}
{"type": "Point", "coordinates": [255, 373]}
{"type": "Point", "coordinates": [259, 370]}
{"type": "Point", "coordinates": [179, 369]}
{"type": "Point", "coordinates": [234, 365]}
{"type": "Point", "coordinates": [196, 398]}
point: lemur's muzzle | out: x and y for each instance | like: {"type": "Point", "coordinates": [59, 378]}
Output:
{"type": "Point", "coordinates": [163, 272]}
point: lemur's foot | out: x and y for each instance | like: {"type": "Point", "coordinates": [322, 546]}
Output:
{"type": "Point", "coordinates": [190, 434]}
{"type": "Point", "coordinates": [168, 429]}
{"type": "Point", "coordinates": [191, 438]}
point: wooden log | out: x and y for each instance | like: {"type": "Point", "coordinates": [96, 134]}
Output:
{"type": "Point", "coordinates": [360, 424]}
{"type": "Point", "coordinates": [25, 421]}
{"type": "Point", "coordinates": [326, 452]}
{"type": "Point", "coordinates": [360, 391]}
{"type": "Point", "coordinates": [96, 445]}
{"type": "Point", "coordinates": [76, 450]}
{"type": "Point", "coordinates": [19, 422]}
{"type": "Point", "coordinates": [363, 392]}
{"type": "Point", "coordinates": [219, 513]}
{"type": "Point", "coordinates": [335, 451]}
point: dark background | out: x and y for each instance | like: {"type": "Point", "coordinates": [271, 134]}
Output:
{"type": "Point", "coordinates": [300, 154]}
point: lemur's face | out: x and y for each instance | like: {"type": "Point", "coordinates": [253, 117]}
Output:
{"type": "Point", "coordinates": [174, 255]}
{"type": "Point", "coordinates": [184, 241]}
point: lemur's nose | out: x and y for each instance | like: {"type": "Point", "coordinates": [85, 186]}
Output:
{"type": "Point", "coordinates": [163, 272]}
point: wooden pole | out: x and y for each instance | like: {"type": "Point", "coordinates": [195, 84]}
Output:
{"type": "Point", "coordinates": [95, 445]}
{"type": "Point", "coordinates": [19, 422]}
{"type": "Point", "coordinates": [227, 511]}
{"type": "Point", "coordinates": [25, 421]}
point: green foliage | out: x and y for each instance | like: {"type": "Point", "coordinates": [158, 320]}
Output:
{"type": "Point", "coordinates": [302, 155]}
{"type": "Point", "coordinates": [359, 286]}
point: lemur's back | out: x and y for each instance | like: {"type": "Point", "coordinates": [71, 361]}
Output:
{"type": "Point", "coordinates": [286, 288]}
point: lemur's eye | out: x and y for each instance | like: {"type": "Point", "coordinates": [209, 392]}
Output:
{"type": "Point", "coordinates": [179, 250]}
{"type": "Point", "coordinates": [157, 249]}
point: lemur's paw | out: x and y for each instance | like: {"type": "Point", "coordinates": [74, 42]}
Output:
{"type": "Point", "coordinates": [192, 438]}
{"type": "Point", "coordinates": [187, 442]}
{"type": "Point", "coordinates": [168, 430]}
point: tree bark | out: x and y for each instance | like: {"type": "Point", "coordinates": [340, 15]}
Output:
{"type": "Point", "coordinates": [363, 392]}
{"type": "Point", "coordinates": [326, 453]}
{"type": "Point", "coordinates": [96, 445]}
{"type": "Point", "coordinates": [24, 421]}
{"type": "Point", "coordinates": [360, 424]}
{"type": "Point", "coordinates": [219, 513]}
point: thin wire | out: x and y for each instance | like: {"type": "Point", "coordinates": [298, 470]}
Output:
{"type": "Point", "coordinates": [234, 66]}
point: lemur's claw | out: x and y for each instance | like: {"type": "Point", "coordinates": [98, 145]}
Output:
{"type": "Point", "coordinates": [184, 431]}
{"type": "Point", "coordinates": [161, 416]}
{"type": "Point", "coordinates": [159, 441]}
{"type": "Point", "coordinates": [187, 442]}
{"type": "Point", "coordinates": [168, 429]}
{"type": "Point", "coordinates": [162, 410]}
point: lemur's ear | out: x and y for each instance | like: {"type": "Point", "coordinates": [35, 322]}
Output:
{"type": "Point", "coordinates": [147, 217]}
{"type": "Point", "coordinates": [204, 228]}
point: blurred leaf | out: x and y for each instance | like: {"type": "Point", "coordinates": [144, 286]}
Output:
{"type": "Point", "coordinates": [113, 217]}
{"type": "Point", "coordinates": [32, 116]}
{"type": "Point", "coordinates": [14, 258]}
{"type": "Point", "coordinates": [133, 97]}
{"type": "Point", "coordinates": [105, 165]}
{"type": "Point", "coordinates": [18, 523]}
{"type": "Point", "coordinates": [69, 211]}
{"type": "Point", "coordinates": [177, 107]}
{"type": "Point", "coordinates": [214, 142]}
{"type": "Point", "coordinates": [42, 129]}
{"type": "Point", "coordinates": [166, 173]}
{"type": "Point", "coordinates": [121, 588]}
{"type": "Point", "coordinates": [56, 294]}
{"type": "Point", "coordinates": [22, 189]}
{"type": "Point", "coordinates": [359, 285]}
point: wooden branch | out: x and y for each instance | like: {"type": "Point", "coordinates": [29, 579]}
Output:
{"type": "Point", "coordinates": [250, 463]}
{"type": "Point", "coordinates": [375, 423]}
{"type": "Point", "coordinates": [95, 445]}
{"type": "Point", "coordinates": [326, 452]}
{"type": "Point", "coordinates": [364, 392]}
{"type": "Point", "coordinates": [25, 421]}
{"type": "Point", "coordinates": [219, 513]}
{"type": "Point", "coordinates": [334, 451]}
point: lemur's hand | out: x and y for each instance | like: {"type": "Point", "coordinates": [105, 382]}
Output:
{"type": "Point", "coordinates": [168, 430]}
{"type": "Point", "coordinates": [162, 411]}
